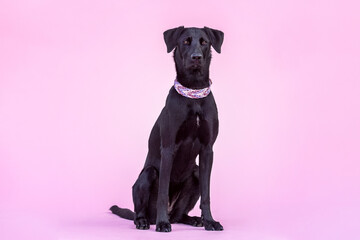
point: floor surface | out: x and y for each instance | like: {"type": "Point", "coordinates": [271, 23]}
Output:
{"type": "Point", "coordinates": [261, 225]}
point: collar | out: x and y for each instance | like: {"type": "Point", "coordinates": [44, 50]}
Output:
{"type": "Point", "coordinates": [192, 93]}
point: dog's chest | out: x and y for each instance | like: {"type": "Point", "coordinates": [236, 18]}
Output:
{"type": "Point", "coordinates": [193, 127]}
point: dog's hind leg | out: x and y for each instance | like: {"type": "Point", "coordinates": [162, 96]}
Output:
{"type": "Point", "coordinates": [142, 191]}
{"type": "Point", "coordinates": [193, 221]}
{"type": "Point", "coordinates": [186, 201]}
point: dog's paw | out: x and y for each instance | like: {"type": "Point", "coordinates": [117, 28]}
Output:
{"type": "Point", "coordinates": [197, 222]}
{"type": "Point", "coordinates": [163, 227]}
{"type": "Point", "coordinates": [142, 223]}
{"type": "Point", "coordinates": [212, 225]}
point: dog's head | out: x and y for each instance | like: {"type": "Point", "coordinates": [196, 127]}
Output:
{"type": "Point", "coordinates": [192, 46]}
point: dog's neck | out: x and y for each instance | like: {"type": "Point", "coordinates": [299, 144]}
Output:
{"type": "Point", "coordinates": [193, 81]}
{"type": "Point", "coordinates": [192, 93]}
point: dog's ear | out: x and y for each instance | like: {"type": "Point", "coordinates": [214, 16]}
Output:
{"type": "Point", "coordinates": [216, 38]}
{"type": "Point", "coordinates": [171, 36]}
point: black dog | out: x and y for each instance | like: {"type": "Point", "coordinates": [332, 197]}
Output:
{"type": "Point", "coordinates": [171, 183]}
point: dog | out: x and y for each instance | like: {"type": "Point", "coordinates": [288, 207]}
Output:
{"type": "Point", "coordinates": [171, 182]}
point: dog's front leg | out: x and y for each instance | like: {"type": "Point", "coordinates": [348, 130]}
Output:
{"type": "Point", "coordinates": [162, 218]}
{"type": "Point", "coordinates": [205, 161]}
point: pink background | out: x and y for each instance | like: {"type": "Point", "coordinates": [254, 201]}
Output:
{"type": "Point", "coordinates": [82, 82]}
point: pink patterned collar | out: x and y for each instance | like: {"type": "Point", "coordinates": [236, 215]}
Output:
{"type": "Point", "coordinates": [192, 93]}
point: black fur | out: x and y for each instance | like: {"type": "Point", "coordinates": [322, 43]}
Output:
{"type": "Point", "coordinates": [171, 183]}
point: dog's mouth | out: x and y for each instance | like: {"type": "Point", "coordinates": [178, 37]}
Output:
{"type": "Point", "coordinates": [196, 67]}
{"type": "Point", "coordinates": [196, 64]}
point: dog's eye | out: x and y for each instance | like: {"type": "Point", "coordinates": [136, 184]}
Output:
{"type": "Point", "coordinates": [187, 42]}
{"type": "Point", "coordinates": [203, 42]}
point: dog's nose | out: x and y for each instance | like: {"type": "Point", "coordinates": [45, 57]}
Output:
{"type": "Point", "coordinates": [196, 56]}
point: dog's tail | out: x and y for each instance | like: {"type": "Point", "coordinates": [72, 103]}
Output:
{"type": "Point", "coordinates": [123, 212]}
